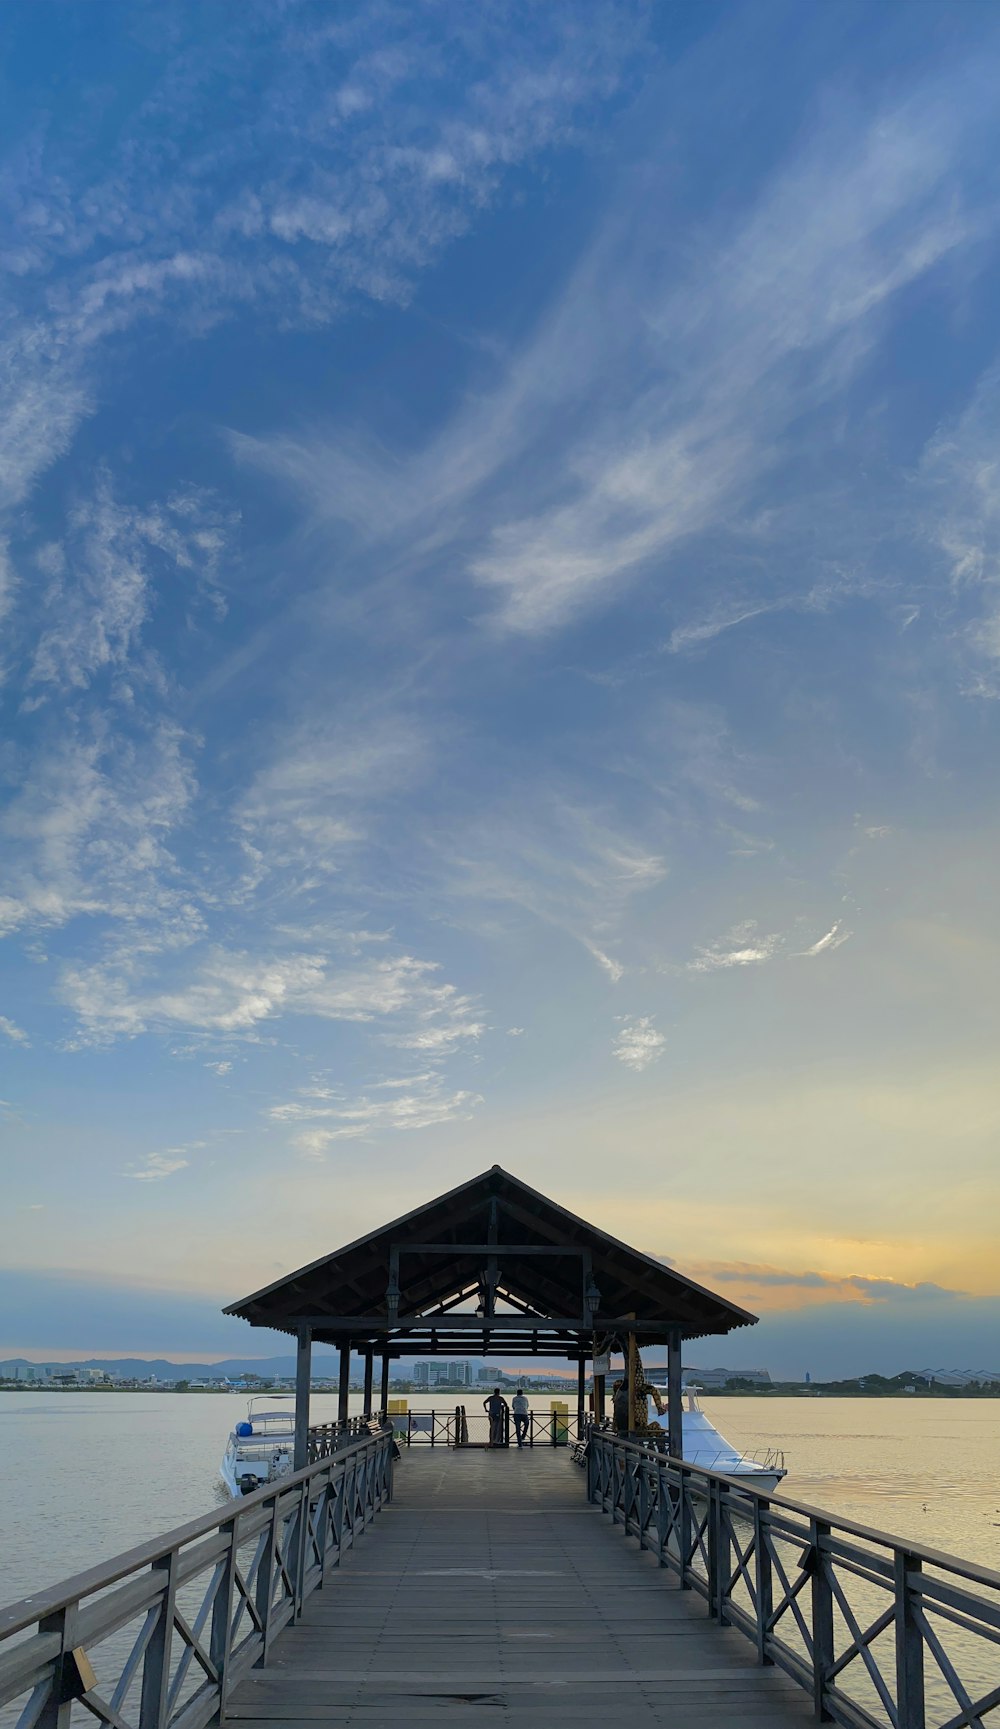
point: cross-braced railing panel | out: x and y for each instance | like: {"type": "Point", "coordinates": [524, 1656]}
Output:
{"type": "Point", "coordinates": [157, 1639]}
{"type": "Point", "coordinates": [883, 1634]}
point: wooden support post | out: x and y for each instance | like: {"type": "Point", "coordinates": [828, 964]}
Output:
{"type": "Point", "coordinates": [492, 1265]}
{"type": "Point", "coordinates": [57, 1711]}
{"type": "Point", "coordinates": [369, 1369]}
{"type": "Point", "coordinates": [675, 1403]}
{"type": "Point", "coordinates": [581, 1396]}
{"type": "Point", "coordinates": [763, 1583]}
{"type": "Point", "coordinates": [344, 1383]}
{"type": "Point", "coordinates": [303, 1383]}
{"type": "Point", "coordinates": [909, 1644]}
{"type": "Point", "coordinates": [220, 1637]}
{"type": "Point", "coordinates": [386, 1363]}
{"type": "Point", "coordinates": [713, 1546]}
{"type": "Point", "coordinates": [631, 1367]}
{"type": "Point", "coordinates": [822, 1617]}
{"type": "Point", "coordinates": [598, 1399]}
{"type": "Point", "coordinates": [156, 1667]}
{"type": "Point", "coordinates": [684, 1527]}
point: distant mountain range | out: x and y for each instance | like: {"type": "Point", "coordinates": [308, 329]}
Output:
{"type": "Point", "coordinates": [164, 1370]}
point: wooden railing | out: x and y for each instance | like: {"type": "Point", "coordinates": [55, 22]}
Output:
{"type": "Point", "coordinates": [884, 1634]}
{"type": "Point", "coordinates": [325, 1439]}
{"type": "Point", "coordinates": [159, 1637]}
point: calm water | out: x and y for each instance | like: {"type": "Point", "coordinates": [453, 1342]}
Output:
{"type": "Point", "coordinates": [90, 1474]}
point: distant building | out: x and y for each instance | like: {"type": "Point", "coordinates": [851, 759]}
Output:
{"type": "Point", "coordinates": [25, 1372]}
{"type": "Point", "coordinates": [957, 1377]}
{"type": "Point", "coordinates": [422, 1374]}
{"type": "Point", "coordinates": [719, 1377]}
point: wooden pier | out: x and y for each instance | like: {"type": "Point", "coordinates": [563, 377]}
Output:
{"type": "Point", "coordinates": [489, 1588]}
{"type": "Point", "coordinates": [640, 1590]}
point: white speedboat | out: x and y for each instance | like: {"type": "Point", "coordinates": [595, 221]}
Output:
{"type": "Point", "coordinates": [259, 1450]}
{"type": "Point", "coordinates": [704, 1446]}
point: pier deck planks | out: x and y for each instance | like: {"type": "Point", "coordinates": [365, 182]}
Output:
{"type": "Point", "coordinates": [490, 1587]}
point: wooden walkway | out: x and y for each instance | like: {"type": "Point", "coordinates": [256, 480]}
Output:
{"type": "Point", "coordinates": [490, 1587]}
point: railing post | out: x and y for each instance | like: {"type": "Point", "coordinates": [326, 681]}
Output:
{"type": "Point", "coordinates": [664, 1502]}
{"type": "Point", "coordinates": [909, 1644]}
{"type": "Point", "coordinates": [713, 1534]}
{"type": "Point", "coordinates": [684, 1526]}
{"type": "Point", "coordinates": [338, 1510]}
{"type": "Point", "coordinates": [57, 1711]}
{"type": "Point", "coordinates": [301, 1549]}
{"type": "Point", "coordinates": [763, 1586]}
{"type": "Point", "coordinates": [628, 1488]}
{"type": "Point", "coordinates": [265, 1577]}
{"type": "Point", "coordinates": [643, 1476]}
{"type": "Point", "coordinates": [222, 1614]}
{"type": "Point", "coordinates": [725, 1561]}
{"type": "Point", "coordinates": [822, 1616]}
{"type": "Point", "coordinates": [156, 1666]}
{"type": "Point", "coordinates": [323, 1522]}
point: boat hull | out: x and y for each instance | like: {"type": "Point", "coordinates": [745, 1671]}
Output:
{"type": "Point", "coordinates": [765, 1482]}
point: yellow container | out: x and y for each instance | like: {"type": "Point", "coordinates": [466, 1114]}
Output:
{"type": "Point", "coordinates": [397, 1412]}
{"type": "Point", "coordinates": [560, 1422]}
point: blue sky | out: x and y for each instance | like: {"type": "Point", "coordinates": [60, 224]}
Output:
{"type": "Point", "coordinates": [501, 644]}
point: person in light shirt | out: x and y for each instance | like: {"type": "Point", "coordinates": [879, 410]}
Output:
{"type": "Point", "coordinates": [519, 1406]}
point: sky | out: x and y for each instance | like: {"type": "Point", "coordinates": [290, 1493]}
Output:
{"type": "Point", "coordinates": [500, 595]}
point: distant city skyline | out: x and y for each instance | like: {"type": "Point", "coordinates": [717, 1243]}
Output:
{"type": "Point", "coordinates": [501, 652]}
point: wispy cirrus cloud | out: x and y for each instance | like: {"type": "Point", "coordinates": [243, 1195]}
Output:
{"type": "Point", "coordinates": [157, 1167]}
{"type": "Point", "coordinates": [727, 347]}
{"type": "Point", "coordinates": [833, 939]}
{"type": "Point", "coordinates": [743, 946]}
{"type": "Point", "coordinates": [100, 584]}
{"type": "Point", "coordinates": [12, 1031]}
{"type": "Point", "coordinates": [639, 1044]}
{"type": "Point", "coordinates": [88, 833]}
{"type": "Point", "coordinates": [322, 789]}
{"type": "Point", "coordinates": [370, 151]}
{"type": "Point", "coordinates": [323, 1115]}
{"type": "Point", "coordinates": [228, 991]}
{"type": "Point", "coordinates": [556, 859]}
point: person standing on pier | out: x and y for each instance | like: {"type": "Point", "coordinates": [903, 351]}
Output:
{"type": "Point", "coordinates": [519, 1406]}
{"type": "Point", "coordinates": [496, 1408]}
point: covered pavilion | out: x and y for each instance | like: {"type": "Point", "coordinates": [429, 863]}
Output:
{"type": "Point", "coordinates": [492, 1268]}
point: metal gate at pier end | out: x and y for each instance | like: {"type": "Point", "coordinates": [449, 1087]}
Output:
{"type": "Point", "coordinates": [883, 1633]}
{"type": "Point", "coordinates": [159, 1638]}
{"type": "Point", "coordinates": [464, 1428]}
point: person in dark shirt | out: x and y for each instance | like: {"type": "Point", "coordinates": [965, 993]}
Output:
{"type": "Point", "coordinates": [495, 1407]}
{"type": "Point", "coordinates": [622, 1414]}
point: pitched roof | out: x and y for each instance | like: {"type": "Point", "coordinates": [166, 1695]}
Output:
{"type": "Point", "coordinates": [350, 1284]}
